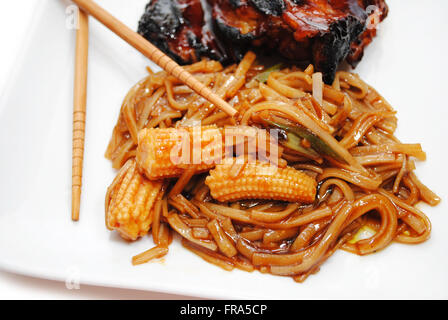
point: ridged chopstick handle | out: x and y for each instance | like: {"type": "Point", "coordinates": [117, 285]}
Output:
{"type": "Point", "coordinates": [79, 110]}
{"type": "Point", "coordinates": [167, 64]}
{"type": "Point", "coordinates": [153, 53]}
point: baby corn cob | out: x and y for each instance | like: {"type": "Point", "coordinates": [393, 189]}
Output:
{"type": "Point", "coordinates": [167, 152]}
{"type": "Point", "coordinates": [260, 181]}
{"type": "Point", "coordinates": [129, 201]}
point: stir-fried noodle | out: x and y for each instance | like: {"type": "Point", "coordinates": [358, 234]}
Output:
{"type": "Point", "coordinates": [343, 180]}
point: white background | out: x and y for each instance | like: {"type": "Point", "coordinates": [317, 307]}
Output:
{"type": "Point", "coordinates": [14, 19]}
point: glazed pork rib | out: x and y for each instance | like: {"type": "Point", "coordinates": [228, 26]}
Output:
{"type": "Point", "coordinates": [179, 28]}
{"type": "Point", "coordinates": [322, 32]}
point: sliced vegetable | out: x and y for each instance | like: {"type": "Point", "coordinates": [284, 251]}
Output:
{"type": "Point", "coordinates": [317, 144]}
{"type": "Point", "coordinates": [263, 77]}
{"type": "Point", "coordinates": [363, 233]}
{"type": "Point", "coordinates": [294, 142]}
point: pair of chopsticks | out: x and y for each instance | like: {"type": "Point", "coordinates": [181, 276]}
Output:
{"type": "Point", "coordinates": [89, 7]}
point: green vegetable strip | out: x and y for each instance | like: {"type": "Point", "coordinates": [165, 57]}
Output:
{"type": "Point", "coordinates": [317, 144]}
{"type": "Point", "coordinates": [263, 77]}
{"type": "Point", "coordinates": [294, 142]}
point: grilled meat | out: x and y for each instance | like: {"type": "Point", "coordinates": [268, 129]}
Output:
{"type": "Point", "coordinates": [322, 32]}
{"type": "Point", "coordinates": [179, 29]}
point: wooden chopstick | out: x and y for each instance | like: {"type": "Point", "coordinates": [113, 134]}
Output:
{"type": "Point", "coordinates": [153, 53]}
{"type": "Point", "coordinates": [79, 110]}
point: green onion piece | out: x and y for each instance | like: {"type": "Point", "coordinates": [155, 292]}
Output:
{"type": "Point", "coordinates": [317, 143]}
{"type": "Point", "coordinates": [294, 142]}
{"type": "Point", "coordinates": [263, 77]}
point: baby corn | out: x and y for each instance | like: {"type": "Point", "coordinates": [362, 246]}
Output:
{"type": "Point", "coordinates": [260, 181]}
{"type": "Point", "coordinates": [129, 202]}
{"type": "Point", "coordinates": [167, 152]}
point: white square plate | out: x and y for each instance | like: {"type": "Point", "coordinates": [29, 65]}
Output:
{"type": "Point", "coordinates": [406, 63]}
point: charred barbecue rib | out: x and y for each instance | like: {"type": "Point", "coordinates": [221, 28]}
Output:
{"type": "Point", "coordinates": [323, 32]}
